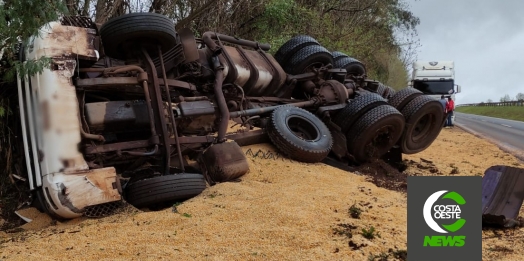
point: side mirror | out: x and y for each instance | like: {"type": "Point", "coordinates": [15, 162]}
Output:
{"type": "Point", "coordinates": [458, 88]}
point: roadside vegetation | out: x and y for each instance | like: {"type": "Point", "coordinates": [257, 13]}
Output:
{"type": "Point", "coordinates": [505, 112]}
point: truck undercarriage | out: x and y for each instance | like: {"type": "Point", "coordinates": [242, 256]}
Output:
{"type": "Point", "coordinates": [136, 109]}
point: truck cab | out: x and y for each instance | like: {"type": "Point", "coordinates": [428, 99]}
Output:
{"type": "Point", "coordinates": [435, 78]}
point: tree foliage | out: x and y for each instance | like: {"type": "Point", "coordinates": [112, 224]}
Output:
{"type": "Point", "coordinates": [21, 19]}
{"type": "Point", "coordinates": [505, 98]}
{"type": "Point", "coordinates": [519, 97]}
{"type": "Point", "coordinates": [382, 33]}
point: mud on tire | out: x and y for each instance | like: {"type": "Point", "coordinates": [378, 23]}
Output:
{"type": "Point", "coordinates": [164, 189]}
{"type": "Point", "coordinates": [357, 107]}
{"type": "Point", "coordinates": [148, 28]}
{"type": "Point", "coordinates": [375, 133]}
{"type": "Point", "coordinates": [424, 117]}
{"type": "Point", "coordinates": [299, 134]}
{"type": "Point", "coordinates": [289, 48]}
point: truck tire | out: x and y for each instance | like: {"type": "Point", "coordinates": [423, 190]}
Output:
{"type": "Point", "coordinates": [357, 107]}
{"type": "Point", "coordinates": [390, 92]}
{"type": "Point", "coordinates": [375, 133]}
{"type": "Point", "coordinates": [381, 89]}
{"type": "Point", "coordinates": [289, 48]}
{"type": "Point", "coordinates": [140, 27]}
{"type": "Point", "coordinates": [338, 55]}
{"type": "Point", "coordinates": [299, 134]}
{"type": "Point", "coordinates": [353, 66]}
{"type": "Point", "coordinates": [385, 91]}
{"type": "Point", "coordinates": [164, 189]}
{"type": "Point", "coordinates": [424, 117]}
{"type": "Point", "coordinates": [402, 97]}
{"type": "Point", "coordinates": [312, 56]}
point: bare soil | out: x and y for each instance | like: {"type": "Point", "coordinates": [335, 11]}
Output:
{"type": "Point", "coordinates": [280, 210]}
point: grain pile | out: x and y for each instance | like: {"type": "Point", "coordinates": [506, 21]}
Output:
{"type": "Point", "coordinates": [281, 210]}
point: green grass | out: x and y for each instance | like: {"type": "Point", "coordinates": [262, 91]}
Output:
{"type": "Point", "coordinates": [504, 112]}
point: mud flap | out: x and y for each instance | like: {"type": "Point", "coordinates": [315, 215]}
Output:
{"type": "Point", "coordinates": [502, 195]}
{"type": "Point", "coordinates": [394, 158]}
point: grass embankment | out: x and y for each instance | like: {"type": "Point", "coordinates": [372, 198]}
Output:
{"type": "Point", "coordinates": [504, 112]}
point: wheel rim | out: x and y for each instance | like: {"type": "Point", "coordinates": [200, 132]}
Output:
{"type": "Point", "coordinates": [303, 128]}
{"type": "Point", "coordinates": [423, 127]}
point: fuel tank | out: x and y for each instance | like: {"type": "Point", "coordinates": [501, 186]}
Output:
{"type": "Point", "coordinates": [256, 71]}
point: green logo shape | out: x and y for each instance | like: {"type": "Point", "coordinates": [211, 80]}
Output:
{"type": "Point", "coordinates": [459, 200]}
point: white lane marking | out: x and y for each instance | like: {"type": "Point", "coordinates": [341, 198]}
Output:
{"type": "Point", "coordinates": [505, 125]}
{"type": "Point", "coordinates": [483, 120]}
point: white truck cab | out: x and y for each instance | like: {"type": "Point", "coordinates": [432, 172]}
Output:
{"type": "Point", "coordinates": [51, 129]}
{"type": "Point", "coordinates": [435, 78]}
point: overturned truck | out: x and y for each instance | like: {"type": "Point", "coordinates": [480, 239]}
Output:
{"type": "Point", "coordinates": [124, 109]}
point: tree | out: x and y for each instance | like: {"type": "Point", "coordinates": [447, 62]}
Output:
{"type": "Point", "coordinates": [20, 19]}
{"type": "Point", "coordinates": [506, 98]}
{"type": "Point", "coordinates": [520, 96]}
{"type": "Point", "coordinates": [489, 101]}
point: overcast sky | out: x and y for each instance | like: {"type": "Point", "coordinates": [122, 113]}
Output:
{"type": "Point", "coordinates": [485, 38]}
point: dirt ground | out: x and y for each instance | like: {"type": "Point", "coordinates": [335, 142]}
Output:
{"type": "Point", "coordinates": [281, 210]}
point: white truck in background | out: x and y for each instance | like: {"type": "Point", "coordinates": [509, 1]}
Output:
{"type": "Point", "coordinates": [435, 78]}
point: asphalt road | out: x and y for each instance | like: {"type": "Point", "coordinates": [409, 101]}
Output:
{"type": "Point", "coordinates": [508, 134]}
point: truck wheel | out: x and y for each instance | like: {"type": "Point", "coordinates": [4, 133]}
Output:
{"type": "Point", "coordinates": [164, 189]}
{"type": "Point", "coordinates": [356, 108]}
{"type": "Point", "coordinates": [299, 134]}
{"type": "Point", "coordinates": [353, 66]}
{"type": "Point", "coordinates": [338, 55]}
{"type": "Point", "coordinates": [375, 133]}
{"type": "Point", "coordinates": [385, 91]}
{"type": "Point", "coordinates": [424, 117]}
{"type": "Point", "coordinates": [308, 58]}
{"type": "Point", "coordinates": [143, 28]}
{"type": "Point", "coordinates": [289, 48]}
{"type": "Point", "coordinates": [402, 97]}
{"type": "Point", "coordinates": [390, 92]}
{"type": "Point", "coordinates": [381, 89]}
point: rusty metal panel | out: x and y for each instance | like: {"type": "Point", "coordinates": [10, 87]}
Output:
{"type": "Point", "coordinates": [250, 137]}
{"type": "Point", "coordinates": [56, 40]}
{"type": "Point", "coordinates": [502, 194]}
{"type": "Point", "coordinates": [196, 108]}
